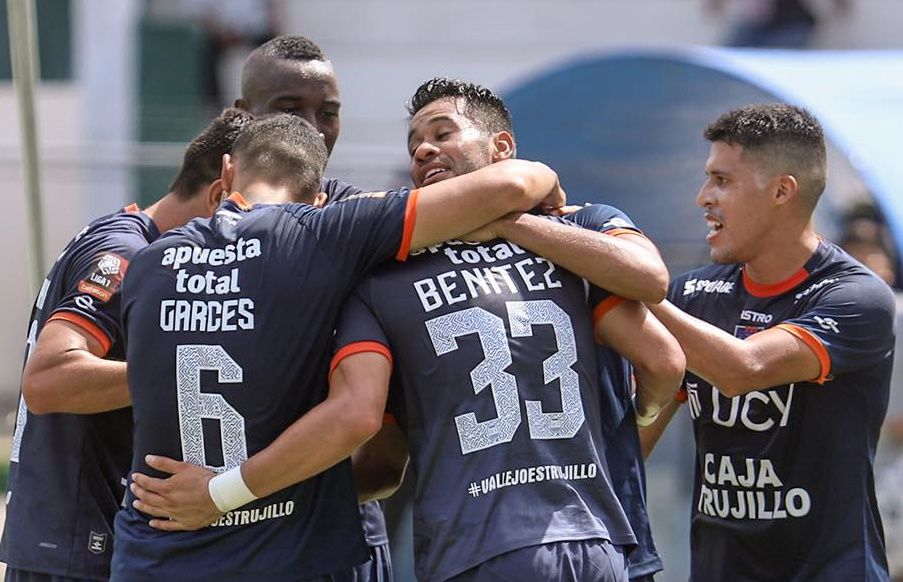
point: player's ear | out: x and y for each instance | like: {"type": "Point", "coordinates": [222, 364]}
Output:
{"type": "Point", "coordinates": [214, 196]}
{"type": "Point", "coordinates": [227, 174]}
{"type": "Point", "coordinates": [503, 147]}
{"type": "Point", "coordinates": [320, 200]}
{"type": "Point", "coordinates": [786, 190]}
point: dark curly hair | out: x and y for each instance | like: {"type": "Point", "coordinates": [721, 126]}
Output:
{"type": "Point", "coordinates": [482, 106]}
{"type": "Point", "coordinates": [203, 158]}
{"type": "Point", "coordinates": [292, 47]}
{"type": "Point", "coordinates": [783, 138]}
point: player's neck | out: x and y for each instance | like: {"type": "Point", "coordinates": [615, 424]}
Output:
{"type": "Point", "coordinates": [264, 193]}
{"type": "Point", "coordinates": [172, 212]}
{"type": "Point", "coordinates": [782, 258]}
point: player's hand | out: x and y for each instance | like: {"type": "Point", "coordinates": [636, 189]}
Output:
{"type": "Point", "coordinates": [568, 209]}
{"type": "Point", "coordinates": [180, 502]}
{"type": "Point", "coordinates": [555, 199]}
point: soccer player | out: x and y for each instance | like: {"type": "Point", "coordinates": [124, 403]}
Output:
{"type": "Point", "coordinates": [68, 468]}
{"type": "Point", "coordinates": [458, 129]}
{"type": "Point", "coordinates": [789, 345]}
{"type": "Point", "coordinates": [232, 323]}
{"type": "Point", "coordinates": [625, 458]}
{"type": "Point", "coordinates": [291, 74]}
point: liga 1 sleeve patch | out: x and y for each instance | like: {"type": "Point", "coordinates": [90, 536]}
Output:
{"type": "Point", "coordinates": [105, 277]}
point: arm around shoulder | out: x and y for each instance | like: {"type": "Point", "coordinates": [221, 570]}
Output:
{"type": "Point", "coordinates": [462, 204]}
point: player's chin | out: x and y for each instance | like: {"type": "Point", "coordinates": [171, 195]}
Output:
{"type": "Point", "coordinates": [721, 255]}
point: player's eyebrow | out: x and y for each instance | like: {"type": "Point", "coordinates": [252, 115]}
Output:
{"type": "Point", "coordinates": [431, 121]}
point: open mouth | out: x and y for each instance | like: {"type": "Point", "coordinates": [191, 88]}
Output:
{"type": "Point", "coordinates": [715, 227]}
{"type": "Point", "coordinates": [433, 175]}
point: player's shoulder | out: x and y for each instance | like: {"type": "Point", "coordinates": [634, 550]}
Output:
{"type": "Point", "coordinates": [602, 217]}
{"type": "Point", "coordinates": [837, 277]}
{"type": "Point", "coordinates": [336, 189]}
{"type": "Point", "coordinates": [120, 235]}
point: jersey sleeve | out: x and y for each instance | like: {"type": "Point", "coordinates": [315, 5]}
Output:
{"type": "Point", "coordinates": [91, 299]}
{"type": "Point", "coordinates": [358, 330]}
{"type": "Point", "coordinates": [370, 227]}
{"type": "Point", "coordinates": [604, 218]}
{"type": "Point", "coordinates": [848, 325]}
{"type": "Point", "coordinates": [337, 190]}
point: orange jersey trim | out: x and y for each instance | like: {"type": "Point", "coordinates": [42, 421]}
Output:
{"type": "Point", "coordinates": [682, 395]}
{"type": "Point", "coordinates": [389, 419]}
{"type": "Point", "coordinates": [605, 306]}
{"type": "Point", "coordinates": [811, 340]}
{"type": "Point", "coordinates": [358, 348]}
{"type": "Point", "coordinates": [86, 325]}
{"type": "Point", "coordinates": [131, 208]}
{"type": "Point", "coordinates": [759, 290]}
{"type": "Point", "coordinates": [239, 201]}
{"type": "Point", "coordinates": [410, 219]}
{"type": "Point", "coordinates": [623, 231]}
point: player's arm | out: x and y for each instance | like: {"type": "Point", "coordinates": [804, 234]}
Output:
{"type": "Point", "coordinates": [328, 433]}
{"type": "Point", "coordinates": [652, 433]}
{"type": "Point", "coordinates": [628, 265]}
{"type": "Point", "coordinates": [657, 359]}
{"type": "Point", "coordinates": [66, 372]}
{"type": "Point", "coordinates": [451, 208]}
{"type": "Point", "coordinates": [736, 366]}
{"type": "Point", "coordinates": [380, 463]}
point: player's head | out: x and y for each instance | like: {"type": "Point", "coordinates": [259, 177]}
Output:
{"type": "Point", "coordinates": [279, 158]}
{"type": "Point", "coordinates": [291, 74]}
{"type": "Point", "coordinates": [203, 158]}
{"type": "Point", "coordinates": [766, 170]}
{"type": "Point", "coordinates": [456, 128]}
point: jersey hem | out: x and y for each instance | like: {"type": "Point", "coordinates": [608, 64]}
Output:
{"type": "Point", "coordinates": [86, 325]}
{"type": "Point", "coordinates": [359, 348]}
{"type": "Point", "coordinates": [410, 219]}
{"type": "Point", "coordinates": [813, 343]}
{"type": "Point", "coordinates": [605, 306]}
{"type": "Point", "coordinates": [526, 543]}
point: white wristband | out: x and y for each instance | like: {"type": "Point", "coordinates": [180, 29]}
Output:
{"type": "Point", "coordinates": [228, 490]}
{"type": "Point", "coordinates": [652, 412]}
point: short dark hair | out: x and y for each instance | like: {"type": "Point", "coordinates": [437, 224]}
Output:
{"type": "Point", "coordinates": [786, 138]}
{"type": "Point", "coordinates": [482, 106]}
{"type": "Point", "coordinates": [283, 150]}
{"type": "Point", "coordinates": [203, 158]}
{"type": "Point", "coordinates": [291, 47]}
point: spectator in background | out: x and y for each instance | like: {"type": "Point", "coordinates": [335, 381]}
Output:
{"type": "Point", "coordinates": [770, 23]}
{"type": "Point", "coordinates": [867, 240]}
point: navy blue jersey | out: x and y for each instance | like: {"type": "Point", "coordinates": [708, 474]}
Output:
{"type": "Point", "coordinates": [67, 471]}
{"type": "Point", "coordinates": [499, 399]}
{"type": "Point", "coordinates": [783, 480]}
{"type": "Point", "coordinates": [623, 451]}
{"type": "Point", "coordinates": [337, 190]}
{"type": "Point", "coordinates": [374, 521]}
{"type": "Point", "coordinates": [229, 326]}
{"type": "Point", "coordinates": [372, 516]}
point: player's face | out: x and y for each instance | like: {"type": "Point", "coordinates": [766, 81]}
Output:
{"type": "Point", "coordinates": [307, 89]}
{"type": "Point", "coordinates": [443, 143]}
{"type": "Point", "coordinates": [737, 205]}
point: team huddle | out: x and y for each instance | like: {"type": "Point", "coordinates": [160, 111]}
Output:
{"type": "Point", "coordinates": [222, 385]}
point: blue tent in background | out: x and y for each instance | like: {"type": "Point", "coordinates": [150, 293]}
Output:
{"type": "Point", "coordinates": [625, 128]}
